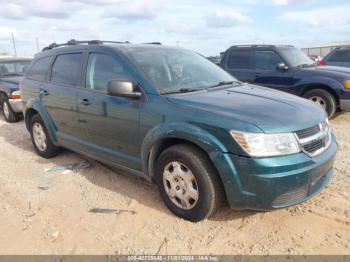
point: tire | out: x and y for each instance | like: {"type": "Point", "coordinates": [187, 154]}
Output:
{"type": "Point", "coordinates": [10, 116]}
{"type": "Point", "coordinates": [190, 162]}
{"type": "Point", "coordinates": [41, 139]}
{"type": "Point", "coordinates": [324, 99]}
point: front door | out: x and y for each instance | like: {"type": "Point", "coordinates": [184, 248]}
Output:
{"type": "Point", "coordinates": [267, 74]}
{"type": "Point", "coordinates": [109, 125]}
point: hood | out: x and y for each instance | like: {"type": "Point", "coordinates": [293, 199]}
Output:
{"type": "Point", "coordinates": [270, 110]}
{"type": "Point", "coordinates": [11, 79]}
{"type": "Point", "coordinates": [330, 71]}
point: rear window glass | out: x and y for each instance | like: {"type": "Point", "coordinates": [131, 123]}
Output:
{"type": "Point", "coordinates": [66, 69]}
{"type": "Point", "coordinates": [239, 59]}
{"type": "Point", "coordinates": [39, 69]}
{"type": "Point", "coordinates": [340, 56]}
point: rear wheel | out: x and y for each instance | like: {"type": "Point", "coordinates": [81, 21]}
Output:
{"type": "Point", "coordinates": [9, 115]}
{"type": "Point", "coordinates": [188, 183]}
{"type": "Point", "coordinates": [324, 99]}
{"type": "Point", "coordinates": [41, 139]}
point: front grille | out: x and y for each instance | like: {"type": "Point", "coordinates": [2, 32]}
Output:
{"type": "Point", "coordinates": [313, 146]}
{"type": "Point", "coordinates": [308, 132]}
{"type": "Point", "coordinates": [291, 197]}
{"type": "Point", "coordinates": [314, 140]}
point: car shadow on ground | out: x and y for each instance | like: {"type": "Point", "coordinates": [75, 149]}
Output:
{"type": "Point", "coordinates": [127, 185]}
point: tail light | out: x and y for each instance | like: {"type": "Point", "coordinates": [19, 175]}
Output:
{"type": "Point", "coordinates": [16, 95]}
{"type": "Point", "coordinates": [322, 63]}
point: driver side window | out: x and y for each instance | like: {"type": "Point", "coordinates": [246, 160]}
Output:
{"type": "Point", "coordinates": [267, 60]}
{"type": "Point", "coordinates": [101, 69]}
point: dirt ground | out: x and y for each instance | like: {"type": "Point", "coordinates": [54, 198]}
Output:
{"type": "Point", "coordinates": [44, 210]}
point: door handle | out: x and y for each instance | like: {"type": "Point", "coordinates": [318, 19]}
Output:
{"type": "Point", "coordinates": [44, 92]}
{"type": "Point", "coordinates": [85, 102]}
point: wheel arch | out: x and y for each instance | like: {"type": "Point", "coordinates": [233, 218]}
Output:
{"type": "Point", "coordinates": [34, 107]}
{"type": "Point", "coordinates": [308, 87]}
{"type": "Point", "coordinates": [162, 137]}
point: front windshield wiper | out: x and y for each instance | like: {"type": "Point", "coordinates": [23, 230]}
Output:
{"type": "Point", "coordinates": [304, 65]}
{"type": "Point", "coordinates": [181, 90]}
{"type": "Point", "coordinates": [224, 83]}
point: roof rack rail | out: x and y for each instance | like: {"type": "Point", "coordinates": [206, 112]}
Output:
{"type": "Point", "coordinates": [75, 42]}
{"type": "Point", "coordinates": [153, 43]}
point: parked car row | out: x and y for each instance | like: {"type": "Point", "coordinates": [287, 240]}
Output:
{"type": "Point", "coordinates": [174, 118]}
{"type": "Point", "coordinates": [11, 72]}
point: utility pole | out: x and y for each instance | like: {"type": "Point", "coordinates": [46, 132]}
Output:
{"type": "Point", "coordinates": [14, 44]}
{"type": "Point", "coordinates": [37, 44]}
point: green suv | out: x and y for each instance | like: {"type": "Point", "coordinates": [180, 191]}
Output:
{"type": "Point", "coordinates": [172, 117]}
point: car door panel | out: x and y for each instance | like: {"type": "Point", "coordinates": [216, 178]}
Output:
{"type": "Point", "coordinates": [267, 74]}
{"type": "Point", "coordinates": [110, 124]}
{"type": "Point", "coordinates": [59, 95]}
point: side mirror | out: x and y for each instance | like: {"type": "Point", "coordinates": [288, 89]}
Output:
{"type": "Point", "coordinates": [123, 88]}
{"type": "Point", "coordinates": [282, 67]}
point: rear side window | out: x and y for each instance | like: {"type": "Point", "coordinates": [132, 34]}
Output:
{"type": "Point", "coordinates": [66, 69]}
{"type": "Point", "coordinates": [267, 60]}
{"type": "Point", "coordinates": [239, 59]}
{"type": "Point", "coordinates": [101, 69]}
{"type": "Point", "coordinates": [39, 69]}
{"type": "Point", "coordinates": [340, 56]}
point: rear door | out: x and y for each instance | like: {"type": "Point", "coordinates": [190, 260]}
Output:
{"type": "Point", "coordinates": [267, 74]}
{"type": "Point", "coordinates": [109, 125]}
{"type": "Point", "coordinates": [59, 95]}
{"type": "Point", "coordinates": [239, 64]}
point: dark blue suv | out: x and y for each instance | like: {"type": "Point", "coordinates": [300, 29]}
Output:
{"type": "Point", "coordinates": [288, 69]}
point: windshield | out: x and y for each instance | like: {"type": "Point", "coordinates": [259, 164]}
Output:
{"type": "Point", "coordinates": [177, 71]}
{"type": "Point", "coordinates": [295, 57]}
{"type": "Point", "coordinates": [8, 68]}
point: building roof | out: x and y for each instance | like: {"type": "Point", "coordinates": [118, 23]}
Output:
{"type": "Point", "coordinates": [332, 44]}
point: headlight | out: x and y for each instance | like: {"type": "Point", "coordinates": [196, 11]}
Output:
{"type": "Point", "coordinates": [265, 145]}
{"type": "Point", "coordinates": [346, 84]}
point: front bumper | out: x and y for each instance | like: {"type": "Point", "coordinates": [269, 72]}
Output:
{"type": "Point", "coordinates": [345, 104]}
{"type": "Point", "coordinates": [16, 105]}
{"type": "Point", "coordinates": [276, 182]}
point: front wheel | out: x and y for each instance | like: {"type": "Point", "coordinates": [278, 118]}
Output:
{"type": "Point", "coordinates": [9, 115]}
{"type": "Point", "coordinates": [188, 182]}
{"type": "Point", "coordinates": [324, 99]}
{"type": "Point", "coordinates": [41, 139]}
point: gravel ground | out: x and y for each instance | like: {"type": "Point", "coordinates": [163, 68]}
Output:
{"type": "Point", "coordinates": [46, 211]}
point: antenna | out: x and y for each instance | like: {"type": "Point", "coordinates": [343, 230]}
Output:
{"type": "Point", "coordinates": [14, 44]}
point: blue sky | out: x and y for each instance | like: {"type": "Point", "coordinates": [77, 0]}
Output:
{"type": "Point", "coordinates": [205, 26]}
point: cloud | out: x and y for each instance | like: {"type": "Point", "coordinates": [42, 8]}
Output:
{"type": "Point", "coordinates": [322, 17]}
{"type": "Point", "coordinates": [38, 8]}
{"type": "Point", "coordinates": [227, 19]}
{"type": "Point", "coordinates": [12, 11]}
{"type": "Point", "coordinates": [5, 32]}
{"type": "Point", "coordinates": [289, 2]}
{"type": "Point", "coordinates": [132, 10]}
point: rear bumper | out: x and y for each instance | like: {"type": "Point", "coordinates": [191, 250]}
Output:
{"type": "Point", "coordinates": [269, 183]}
{"type": "Point", "coordinates": [16, 105]}
{"type": "Point", "coordinates": [345, 104]}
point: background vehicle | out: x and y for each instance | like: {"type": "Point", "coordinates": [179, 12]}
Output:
{"type": "Point", "coordinates": [171, 116]}
{"type": "Point", "coordinates": [11, 72]}
{"type": "Point", "coordinates": [317, 59]}
{"type": "Point", "coordinates": [339, 56]}
{"type": "Point", "coordinates": [288, 69]}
